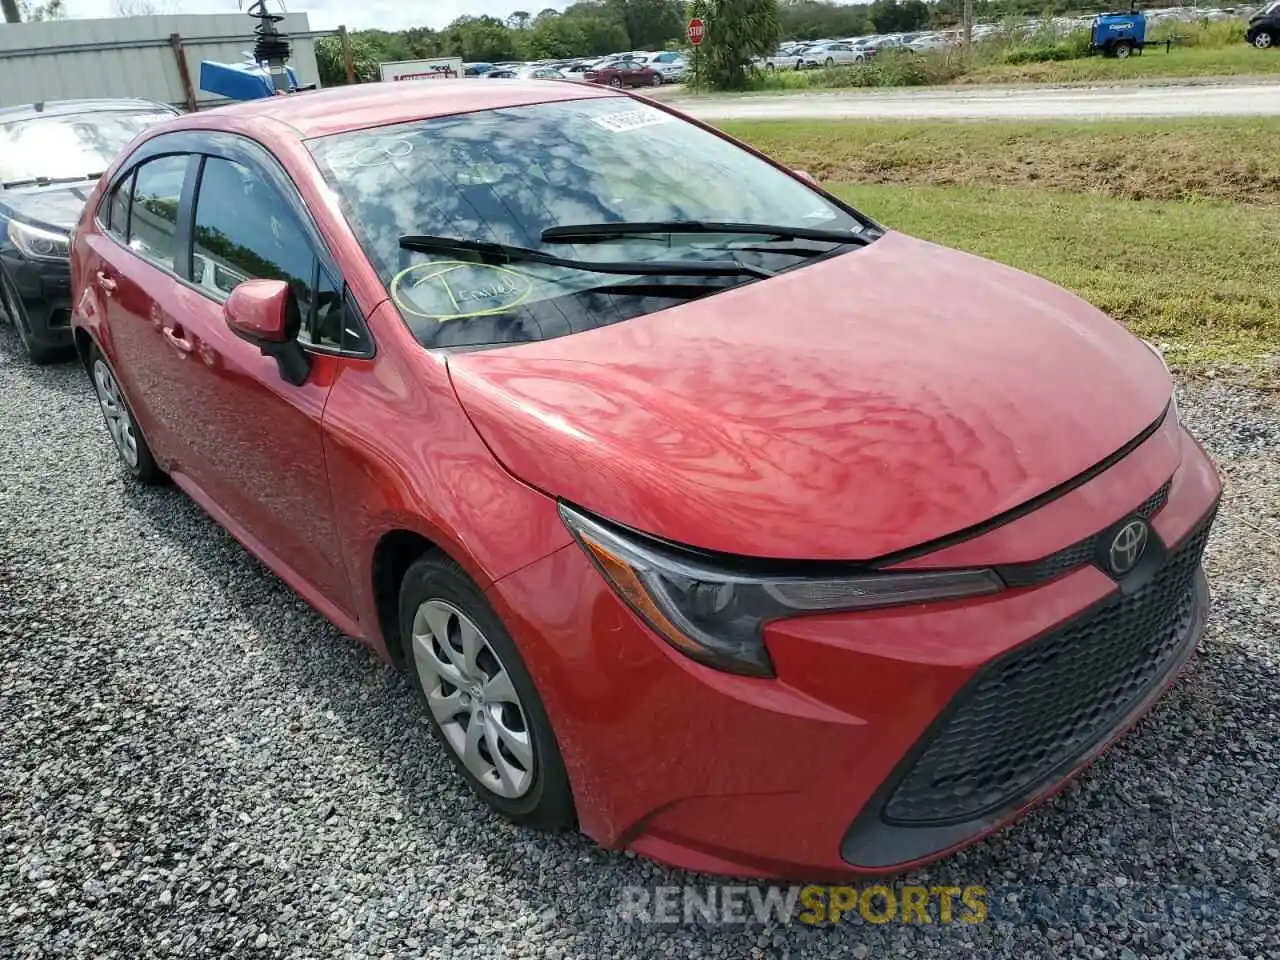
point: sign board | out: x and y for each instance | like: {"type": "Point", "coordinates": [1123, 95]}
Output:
{"type": "Point", "coordinates": [440, 68]}
{"type": "Point", "coordinates": [696, 30]}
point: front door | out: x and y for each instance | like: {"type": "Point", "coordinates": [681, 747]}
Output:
{"type": "Point", "coordinates": [258, 439]}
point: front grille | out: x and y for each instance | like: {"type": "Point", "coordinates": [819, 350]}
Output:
{"type": "Point", "coordinates": [1046, 704]}
{"type": "Point", "coordinates": [1076, 555]}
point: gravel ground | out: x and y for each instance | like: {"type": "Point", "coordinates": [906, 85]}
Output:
{"type": "Point", "coordinates": [194, 764]}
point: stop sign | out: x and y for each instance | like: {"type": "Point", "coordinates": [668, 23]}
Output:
{"type": "Point", "coordinates": [696, 27]}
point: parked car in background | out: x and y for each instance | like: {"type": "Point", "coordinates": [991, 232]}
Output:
{"type": "Point", "coordinates": [930, 43]}
{"type": "Point", "coordinates": [1263, 30]}
{"type": "Point", "coordinates": [670, 64]}
{"type": "Point", "coordinates": [787, 57]}
{"type": "Point", "coordinates": [476, 69]}
{"type": "Point", "coordinates": [576, 69]}
{"type": "Point", "coordinates": [530, 72]}
{"type": "Point", "coordinates": [830, 55]}
{"type": "Point", "coordinates": [502, 401]}
{"type": "Point", "coordinates": [51, 154]}
{"type": "Point", "coordinates": [624, 73]}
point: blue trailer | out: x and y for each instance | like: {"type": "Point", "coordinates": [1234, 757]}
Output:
{"type": "Point", "coordinates": [1118, 34]}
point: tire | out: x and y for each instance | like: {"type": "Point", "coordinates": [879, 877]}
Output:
{"type": "Point", "coordinates": [615, 82]}
{"type": "Point", "coordinates": [524, 778]}
{"type": "Point", "coordinates": [829, 63]}
{"type": "Point", "coordinates": [1263, 40]}
{"type": "Point", "coordinates": [1122, 50]}
{"type": "Point", "coordinates": [656, 81]}
{"type": "Point", "coordinates": [126, 436]}
{"type": "Point", "coordinates": [41, 356]}
{"type": "Point", "coordinates": [769, 67]}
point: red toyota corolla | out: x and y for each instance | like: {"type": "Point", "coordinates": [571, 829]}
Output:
{"type": "Point", "coordinates": [707, 514]}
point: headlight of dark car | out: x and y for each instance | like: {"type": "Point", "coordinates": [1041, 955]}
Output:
{"type": "Point", "coordinates": [36, 243]}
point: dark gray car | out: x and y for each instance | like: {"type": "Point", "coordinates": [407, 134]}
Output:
{"type": "Point", "coordinates": [51, 154]}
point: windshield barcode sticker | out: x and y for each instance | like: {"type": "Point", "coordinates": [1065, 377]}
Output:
{"type": "Point", "coordinates": [631, 119]}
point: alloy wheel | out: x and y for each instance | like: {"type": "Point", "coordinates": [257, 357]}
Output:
{"type": "Point", "coordinates": [472, 698]}
{"type": "Point", "coordinates": [1262, 41]}
{"type": "Point", "coordinates": [116, 413]}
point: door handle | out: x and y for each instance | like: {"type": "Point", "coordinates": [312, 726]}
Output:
{"type": "Point", "coordinates": [106, 284]}
{"type": "Point", "coordinates": [175, 337]}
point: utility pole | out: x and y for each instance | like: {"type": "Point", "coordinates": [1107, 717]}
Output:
{"type": "Point", "coordinates": [11, 14]}
{"type": "Point", "coordinates": [968, 25]}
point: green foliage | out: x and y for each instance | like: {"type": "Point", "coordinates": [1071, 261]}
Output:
{"type": "Point", "coordinates": [821, 19]}
{"type": "Point", "coordinates": [736, 32]}
{"type": "Point", "coordinates": [1070, 47]}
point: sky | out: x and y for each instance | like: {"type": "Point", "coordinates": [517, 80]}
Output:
{"type": "Point", "coordinates": [326, 14]}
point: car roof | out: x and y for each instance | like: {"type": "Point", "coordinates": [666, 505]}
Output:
{"type": "Point", "coordinates": [340, 109]}
{"type": "Point", "coordinates": [62, 108]}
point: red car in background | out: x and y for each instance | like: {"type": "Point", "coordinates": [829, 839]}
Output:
{"type": "Point", "coordinates": [707, 514]}
{"type": "Point", "coordinates": [623, 73]}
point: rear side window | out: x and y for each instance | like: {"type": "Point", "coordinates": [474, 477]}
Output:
{"type": "Point", "coordinates": [153, 215]}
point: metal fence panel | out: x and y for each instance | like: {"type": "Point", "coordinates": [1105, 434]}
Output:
{"type": "Point", "coordinates": [130, 56]}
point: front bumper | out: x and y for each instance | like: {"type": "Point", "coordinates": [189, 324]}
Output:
{"type": "Point", "coordinates": [798, 776]}
{"type": "Point", "coordinates": [45, 291]}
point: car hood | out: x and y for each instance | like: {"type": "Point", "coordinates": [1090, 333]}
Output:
{"type": "Point", "coordinates": [848, 409]}
{"type": "Point", "coordinates": [56, 207]}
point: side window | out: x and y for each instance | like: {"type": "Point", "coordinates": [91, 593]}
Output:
{"type": "Point", "coordinates": [244, 230]}
{"type": "Point", "coordinates": [117, 209]}
{"type": "Point", "coordinates": [153, 216]}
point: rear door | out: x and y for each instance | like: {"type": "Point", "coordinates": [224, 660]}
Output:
{"type": "Point", "coordinates": [130, 270]}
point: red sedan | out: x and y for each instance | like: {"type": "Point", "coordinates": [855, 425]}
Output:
{"type": "Point", "coordinates": [708, 515]}
{"type": "Point", "coordinates": [623, 73]}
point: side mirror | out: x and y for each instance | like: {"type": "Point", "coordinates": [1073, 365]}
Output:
{"type": "Point", "coordinates": [806, 176]}
{"type": "Point", "coordinates": [266, 314]}
{"type": "Point", "coordinates": [258, 311]}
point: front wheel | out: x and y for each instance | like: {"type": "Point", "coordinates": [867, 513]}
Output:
{"type": "Point", "coordinates": [615, 82]}
{"type": "Point", "coordinates": [1263, 40]}
{"type": "Point", "coordinates": [482, 702]}
{"type": "Point", "coordinates": [829, 63]}
{"type": "Point", "coordinates": [656, 81]}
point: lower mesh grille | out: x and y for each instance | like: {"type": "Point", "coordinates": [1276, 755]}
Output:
{"type": "Point", "coordinates": [1048, 703]}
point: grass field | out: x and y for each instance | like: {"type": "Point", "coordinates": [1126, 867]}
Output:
{"type": "Point", "coordinates": [1192, 270]}
{"type": "Point", "coordinates": [1237, 60]}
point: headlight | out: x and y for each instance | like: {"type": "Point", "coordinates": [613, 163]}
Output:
{"type": "Point", "coordinates": [38, 244]}
{"type": "Point", "coordinates": [716, 615]}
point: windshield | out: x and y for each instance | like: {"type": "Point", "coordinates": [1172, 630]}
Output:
{"type": "Point", "coordinates": [1271, 8]}
{"type": "Point", "coordinates": [505, 176]}
{"type": "Point", "coordinates": [68, 145]}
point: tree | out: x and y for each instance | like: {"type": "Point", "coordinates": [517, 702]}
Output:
{"type": "Point", "coordinates": [519, 20]}
{"type": "Point", "coordinates": [736, 31]}
{"type": "Point", "coordinates": [17, 11]}
{"type": "Point", "coordinates": [649, 23]}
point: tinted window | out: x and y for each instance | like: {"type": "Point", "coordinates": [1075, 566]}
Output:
{"type": "Point", "coordinates": [117, 211]}
{"type": "Point", "coordinates": [244, 229]}
{"type": "Point", "coordinates": [75, 145]}
{"type": "Point", "coordinates": [153, 216]}
{"type": "Point", "coordinates": [506, 175]}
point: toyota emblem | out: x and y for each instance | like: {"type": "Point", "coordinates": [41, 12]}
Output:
{"type": "Point", "coordinates": [1128, 546]}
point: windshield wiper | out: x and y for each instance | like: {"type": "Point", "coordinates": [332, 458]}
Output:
{"type": "Point", "coordinates": [47, 181]}
{"type": "Point", "coordinates": [589, 232]}
{"type": "Point", "coordinates": [650, 268]}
